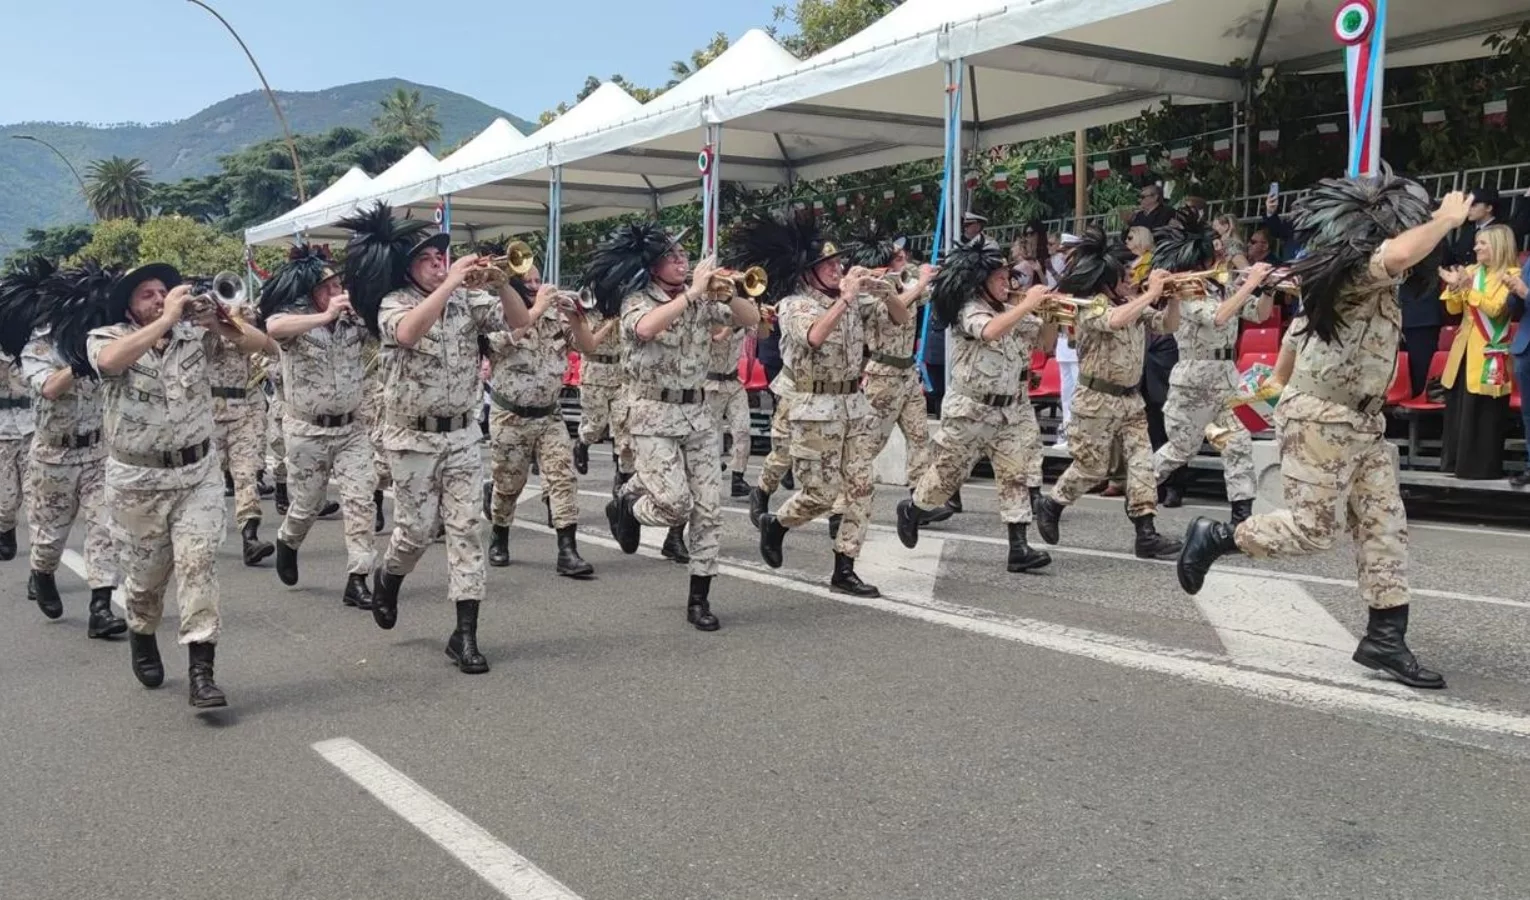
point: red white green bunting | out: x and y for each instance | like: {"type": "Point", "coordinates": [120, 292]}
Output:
{"type": "Point", "coordinates": [1434, 116]}
{"type": "Point", "coordinates": [1328, 131]}
{"type": "Point", "coordinates": [840, 203]}
{"type": "Point", "coordinates": [917, 192]}
{"type": "Point", "coordinates": [888, 195]}
{"type": "Point", "coordinates": [1064, 174]}
{"type": "Point", "coordinates": [1032, 177]}
{"type": "Point", "coordinates": [1179, 156]}
{"type": "Point", "coordinates": [1139, 164]}
{"type": "Point", "coordinates": [1495, 112]}
{"type": "Point", "coordinates": [1000, 179]}
{"type": "Point", "coordinates": [1269, 139]}
{"type": "Point", "coordinates": [1101, 167]}
{"type": "Point", "coordinates": [1221, 148]}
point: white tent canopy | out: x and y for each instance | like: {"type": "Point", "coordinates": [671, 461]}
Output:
{"type": "Point", "coordinates": [281, 229]}
{"type": "Point", "coordinates": [395, 183]}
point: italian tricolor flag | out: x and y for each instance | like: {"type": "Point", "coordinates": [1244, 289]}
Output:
{"type": "Point", "coordinates": [1495, 112]}
{"type": "Point", "coordinates": [1328, 131]}
{"type": "Point", "coordinates": [1139, 164]}
{"type": "Point", "coordinates": [1064, 174]}
{"type": "Point", "coordinates": [1032, 177]}
{"type": "Point", "coordinates": [1000, 179]}
{"type": "Point", "coordinates": [1221, 148]}
{"type": "Point", "coordinates": [1269, 139]}
{"type": "Point", "coordinates": [1179, 156]}
{"type": "Point", "coordinates": [1434, 117]}
{"type": "Point", "coordinates": [1101, 167]}
{"type": "Point", "coordinates": [916, 192]}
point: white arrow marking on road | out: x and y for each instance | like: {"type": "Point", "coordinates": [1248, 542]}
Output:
{"type": "Point", "coordinates": [506, 871]}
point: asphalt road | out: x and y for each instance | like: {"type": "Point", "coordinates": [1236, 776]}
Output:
{"type": "Point", "coordinates": [1090, 732]}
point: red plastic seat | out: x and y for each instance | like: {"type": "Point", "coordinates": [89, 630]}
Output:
{"type": "Point", "coordinates": [1447, 337]}
{"type": "Point", "coordinates": [1051, 382]}
{"type": "Point", "coordinates": [1422, 403]}
{"type": "Point", "coordinates": [571, 374]}
{"type": "Point", "coordinates": [1402, 386]}
{"type": "Point", "coordinates": [1259, 340]}
{"type": "Point", "coordinates": [1273, 320]}
{"type": "Point", "coordinates": [1038, 360]}
{"type": "Point", "coordinates": [1249, 360]}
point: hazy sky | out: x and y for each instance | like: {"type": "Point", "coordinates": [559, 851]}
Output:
{"type": "Point", "coordinates": [159, 60]}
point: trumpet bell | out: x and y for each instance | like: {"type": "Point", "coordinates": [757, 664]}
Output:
{"type": "Point", "coordinates": [518, 258]}
{"type": "Point", "coordinates": [751, 282]}
{"type": "Point", "coordinates": [228, 288]}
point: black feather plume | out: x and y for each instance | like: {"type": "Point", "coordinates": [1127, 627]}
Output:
{"type": "Point", "coordinates": [784, 248]}
{"type": "Point", "coordinates": [21, 301]}
{"type": "Point", "coordinates": [377, 258]}
{"type": "Point", "coordinates": [1096, 265]}
{"type": "Point", "coordinates": [1186, 244]}
{"type": "Point", "coordinates": [869, 248]}
{"type": "Point", "coordinates": [962, 273]}
{"type": "Point", "coordinates": [78, 299]}
{"type": "Point", "coordinates": [288, 288]}
{"type": "Point", "coordinates": [620, 265]}
{"type": "Point", "coordinates": [1340, 223]}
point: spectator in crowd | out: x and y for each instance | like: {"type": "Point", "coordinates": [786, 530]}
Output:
{"type": "Point", "coordinates": [1482, 214]}
{"type": "Point", "coordinates": [1278, 238]}
{"type": "Point", "coordinates": [973, 225]}
{"type": "Point", "coordinates": [1477, 373]}
{"type": "Point", "coordinates": [1261, 247]}
{"type": "Point", "coordinates": [1230, 245]}
{"type": "Point", "coordinates": [1029, 253]}
{"type": "Point", "coordinates": [1422, 317]}
{"type": "Point", "coordinates": [1151, 212]}
{"type": "Point", "coordinates": [1519, 299]}
{"type": "Point", "coordinates": [1067, 357]}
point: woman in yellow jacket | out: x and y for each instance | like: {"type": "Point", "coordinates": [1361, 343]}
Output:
{"type": "Point", "coordinates": [1478, 372]}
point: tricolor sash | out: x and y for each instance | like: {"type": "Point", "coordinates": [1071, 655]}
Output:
{"type": "Point", "coordinates": [1495, 356]}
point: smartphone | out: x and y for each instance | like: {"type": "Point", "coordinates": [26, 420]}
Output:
{"type": "Point", "coordinates": [1274, 189]}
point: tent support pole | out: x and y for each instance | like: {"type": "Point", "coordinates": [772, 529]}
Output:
{"type": "Point", "coordinates": [552, 257]}
{"type": "Point", "coordinates": [955, 187]}
{"type": "Point", "coordinates": [446, 222]}
{"type": "Point", "coordinates": [1080, 189]}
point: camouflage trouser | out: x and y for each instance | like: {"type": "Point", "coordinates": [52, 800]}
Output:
{"type": "Point", "coordinates": [829, 458]}
{"type": "Point", "coordinates": [1319, 463]}
{"type": "Point", "coordinates": [57, 494]}
{"type": "Point", "coordinates": [241, 444]}
{"type": "Point", "coordinates": [1010, 448]}
{"type": "Point", "coordinates": [602, 410]}
{"type": "Point", "coordinates": [276, 436]}
{"type": "Point", "coordinates": [314, 462]}
{"type": "Point", "coordinates": [779, 461]}
{"type": "Point", "coordinates": [171, 530]}
{"type": "Point", "coordinates": [370, 414]}
{"type": "Point", "coordinates": [445, 487]}
{"type": "Point", "coordinates": [14, 459]}
{"type": "Point", "coordinates": [513, 443]}
{"type": "Point", "coordinates": [1192, 406]}
{"type": "Point", "coordinates": [898, 401]}
{"type": "Point", "coordinates": [1098, 421]}
{"type": "Point", "coordinates": [729, 403]}
{"type": "Point", "coordinates": [678, 483]}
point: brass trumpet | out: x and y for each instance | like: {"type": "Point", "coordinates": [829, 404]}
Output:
{"type": "Point", "coordinates": [496, 271]}
{"type": "Point", "coordinates": [1190, 285]}
{"type": "Point", "coordinates": [731, 283]}
{"type": "Point", "coordinates": [880, 283]}
{"type": "Point", "coordinates": [1057, 309]}
{"type": "Point", "coordinates": [581, 301]}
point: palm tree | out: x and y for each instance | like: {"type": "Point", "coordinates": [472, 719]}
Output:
{"type": "Point", "coordinates": [403, 113]}
{"type": "Point", "coordinates": [118, 188]}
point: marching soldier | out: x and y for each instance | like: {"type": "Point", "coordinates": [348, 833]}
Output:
{"type": "Point", "coordinates": [833, 429]}
{"type": "Point", "coordinates": [68, 458]}
{"type": "Point", "coordinates": [777, 468]}
{"type": "Point", "coordinates": [163, 484]}
{"type": "Point", "coordinates": [525, 422]}
{"type": "Point", "coordinates": [1361, 236]}
{"type": "Point", "coordinates": [667, 332]}
{"type": "Point", "coordinates": [987, 407]}
{"type": "Point", "coordinates": [1206, 376]}
{"type": "Point", "coordinates": [729, 402]}
{"type": "Point", "coordinates": [398, 280]}
{"type": "Point", "coordinates": [17, 423]}
{"type": "Point", "coordinates": [305, 312]}
{"type": "Point", "coordinates": [602, 399]}
{"type": "Point", "coordinates": [1112, 338]}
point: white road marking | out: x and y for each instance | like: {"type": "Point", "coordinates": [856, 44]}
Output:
{"type": "Point", "coordinates": [1266, 680]}
{"type": "Point", "coordinates": [897, 570]}
{"type": "Point", "coordinates": [1266, 622]}
{"type": "Point", "coordinates": [506, 871]}
{"type": "Point", "coordinates": [1127, 557]}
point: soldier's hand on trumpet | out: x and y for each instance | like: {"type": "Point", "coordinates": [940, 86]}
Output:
{"type": "Point", "coordinates": [461, 266]}
{"type": "Point", "coordinates": [173, 307]}
{"type": "Point", "coordinates": [340, 307]}
{"type": "Point", "coordinates": [1031, 299]}
{"type": "Point", "coordinates": [1257, 273]}
{"type": "Point", "coordinates": [701, 278]}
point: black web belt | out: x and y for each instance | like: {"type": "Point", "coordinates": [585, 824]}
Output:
{"type": "Point", "coordinates": [168, 459]}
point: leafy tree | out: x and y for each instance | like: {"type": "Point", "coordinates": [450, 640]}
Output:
{"type": "Point", "coordinates": [404, 113]}
{"type": "Point", "coordinates": [117, 188]}
{"type": "Point", "coordinates": [682, 69]}
{"type": "Point", "coordinates": [57, 243]}
{"type": "Point", "coordinates": [192, 247]}
{"type": "Point", "coordinates": [820, 24]}
{"type": "Point", "coordinates": [113, 242]}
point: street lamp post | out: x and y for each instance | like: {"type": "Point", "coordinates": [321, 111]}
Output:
{"type": "Point", "coordinates": [297, 167]}
{"type": "Point", "coordinates": [84, 192]}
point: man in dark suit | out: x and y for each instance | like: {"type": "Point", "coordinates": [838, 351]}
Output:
{"type": "Point", "coordinates": [1422, 313]}
{"type": "Point", "coordinates": [1519, 293]}
{"type": "Point", "coordinates": [1151, 212]}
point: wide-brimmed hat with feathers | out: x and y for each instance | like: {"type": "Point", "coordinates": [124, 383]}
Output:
{"type": "Point", "coordinates": [76, 300]}
{"type": "Point", "coordinates": [1096, 264]}
{"type": "Point", "coordinates": [378, 254]}
{"type": "Point", "coordinates": [962, 273]}
{"type": "Point", "coordinates": [871, 249]}
{"type": "Point", "coordinates": [787, 249]}
{"type": "Point", "coordinates": [620, 265]}
{"type": "Point", "coordinates": [22, 299]}
{"type": "Point", "coordinates": [1185, 244]}
{"type": "Point", "coordinates": [289, 287]}
{"type": "Point", "coordinates": [1340, 223]}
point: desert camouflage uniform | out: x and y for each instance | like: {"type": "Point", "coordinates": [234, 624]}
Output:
{"type": "Point", "coordinates": [16, 426]}
{"type": "Point", "coordinates": [241, 422]}
{"type": "Point", "coordinates": [1337, 467]}
{"type": "Point", "coordinates": [987, 408]}
{"type": "Point", "coordinates": [68, 475]}
{"type": "Point", "coordinates": [603, 398]}
{"type": "Point", "coordinates": [1108, 403]}
{"type": "Point", "coordinates": [322, 373]}
{"type": "Point", "coordinates": [370, 411]}
{"type": "Point", "coordinates": [1200, 385]}
{"type": "Point", "coordinates": [163, 485]}
{"type": "Point", "coordinates": [726, 395]}
{"type": "Point", "coordinates": [893, 385]}
{"type": "Point", "coordinates": [779, 461]}
{"type": "Point", "coordinates": [276, 431]}
{"type": "Point", "coordinates": [677, 481]}
{"type": "Point", "coordinates": [525, 420]}
{"type": "Point", "coordinates": [430, 403]}
{"type": "Point", "coordinates": [833, 429]}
